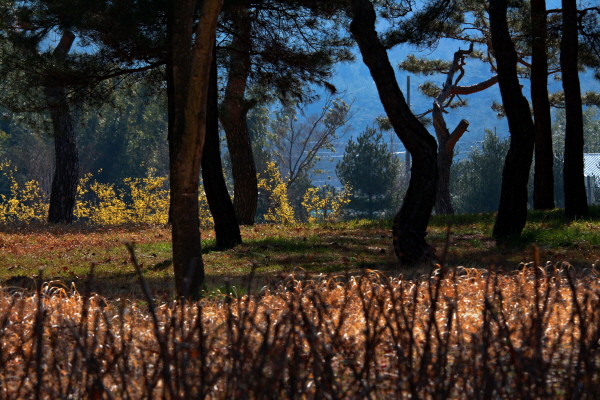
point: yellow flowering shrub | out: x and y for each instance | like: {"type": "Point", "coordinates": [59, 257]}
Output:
{"type": "Point", "coordinates": [150, 198]}
{"type": "Point", "coordinates": [325, 203]}
{"type": "Point", "coordinates": [25, 203]}
{"type": "Point", "coordinates": [280, 210]}
{"type": "Point", "coordinates": [82, 210]}
{"type": "Point", "coordinates": [143, 200]}
{"type": "Point", "coordinates": [110, 207]}
{"type": "Point", "coordinates": [206, 219]}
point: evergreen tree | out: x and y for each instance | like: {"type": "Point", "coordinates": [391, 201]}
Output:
{"type": "Point", "coordinates": [227, 229]}
{"type": "Point", "coordinates": [372, 172]}
{"type": "Point", "coordinates": [536, 34]}
{"type": "Point", "coordinates": [191, 42]}
{"type": "Point", "coordinates": [477, 179]}
{"type": "Point", "coordinates": [40, 75]}
{"type": "Point", "coordinates": [126, 137]}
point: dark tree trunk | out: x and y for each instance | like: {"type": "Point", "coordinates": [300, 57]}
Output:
{"type": "Point", "coordinates": [410, 224]}
{"type": "Point", "coordinates": [227, 229]}
{"type": "Point", "coordinates": [443, 201]}
{"type": "Point", "coordinates": [575, 197]}
{"type": "Point", "coordinates": [512, 211]}
{"type": "Point", "coordinates": [190, 66]}
{"type": "Point", "coordinates": [234, 111]}
{"type": "Point", "coordinates": [64, 182]}
{"type": "Point", "coordinates": [543, 184]}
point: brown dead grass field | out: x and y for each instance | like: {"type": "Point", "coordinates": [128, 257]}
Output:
{"type": "Point", "coordinates": [464, 334]}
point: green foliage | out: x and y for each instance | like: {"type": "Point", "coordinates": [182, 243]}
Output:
{"type": "Point", "coordinates": [127, 137]}
{"type": "Point", "coordinates": [467, 22]}
{"type": "Point", "coordinates": [28, 148]}
{"type": "Point", "coordinates": [371, 170]}
{"type": "Point", "coordinates": [123, 140]}
{"type": "Point", "coordinates": [258, 126]}
{"type": "Point", "coordinates": [424, 66]}
{"type": "Point", "coordinates": [476, 180]}
{"type": "Point", "coordinates": [591, 130]}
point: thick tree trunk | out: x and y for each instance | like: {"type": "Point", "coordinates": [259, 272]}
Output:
{"type": "Point", "coordinates": [410, 224]}
{"type": "Point", "coordinates": [543, 184]}
{"type": "Point", "coordinates": [227, 229]}
{"type": "Point", "coordinates": [66, 170]}
{"type": "Point", "coordinates": [234, 111]}
{"type": "Point", "coordinates": [575, 197]}
{"type": "Point", "coordinates": [512, 211]}
{"type": "Point", "coordinates": [191, 54]}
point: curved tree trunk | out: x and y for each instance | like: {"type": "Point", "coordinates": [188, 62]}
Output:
{"type": "Point", "coordinates": [543, 183]}
{"type": "Point", "coordinates": [575, 197]}
{"type": "Point", "coordinates": [191, 58]}
{"type": "Point", "coordinates": [64, 181]}
{"type": "Point", "coordinates": [227, 229]}
{"type": "Point", "coordinates": [512, 211]}
{"type": "Point", "coordinates": [410, 224]}
{"type": "Point", "coordinates": [234, 111]}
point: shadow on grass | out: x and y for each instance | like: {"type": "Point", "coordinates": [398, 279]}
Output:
{"type": "Point", "coordinates": [556, 237]}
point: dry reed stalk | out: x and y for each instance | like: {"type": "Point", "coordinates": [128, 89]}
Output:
{"type": "Point", "coordinates": [462, 333]}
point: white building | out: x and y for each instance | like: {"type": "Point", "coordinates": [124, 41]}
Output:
{"type": "Point", "coordinates": [591, 171]}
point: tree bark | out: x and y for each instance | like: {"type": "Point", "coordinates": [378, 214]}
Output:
{"type": "Point", "coordinates": [410, 224]}
{"type": "Point", "coordinates": [227, 229]}
{"type": "Point", "coordinates": [543, 184]}
{"type": "Point", "coordinates": [575, 197]}
{"type": "Point", "coordinates": [512, 211]}
{"type": "Point", "coordinates": [234, 111]}
{"type": "Point", "coordinates": [191, 54]}
{"type": "Point", "coordinates": [66, 170]}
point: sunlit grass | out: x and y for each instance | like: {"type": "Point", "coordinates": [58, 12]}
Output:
{"type": "Point", "coordinates": [67, 252]}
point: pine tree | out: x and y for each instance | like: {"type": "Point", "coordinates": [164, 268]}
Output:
{"type": "Point", "coordinates": [371, 170]}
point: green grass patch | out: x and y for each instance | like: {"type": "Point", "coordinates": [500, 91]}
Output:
{"type": "Point", "coordinates": [351, 247]}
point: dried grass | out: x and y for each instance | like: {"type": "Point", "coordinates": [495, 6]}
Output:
{"type": "Point", "coordinates": [463, 333]}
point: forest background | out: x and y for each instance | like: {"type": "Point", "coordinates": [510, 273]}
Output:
{"type": "Point", "coordinates": [128, 137]}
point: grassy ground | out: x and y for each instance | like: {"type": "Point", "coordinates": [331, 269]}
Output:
{"type": "Point", "coordinates": [273, 252]}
